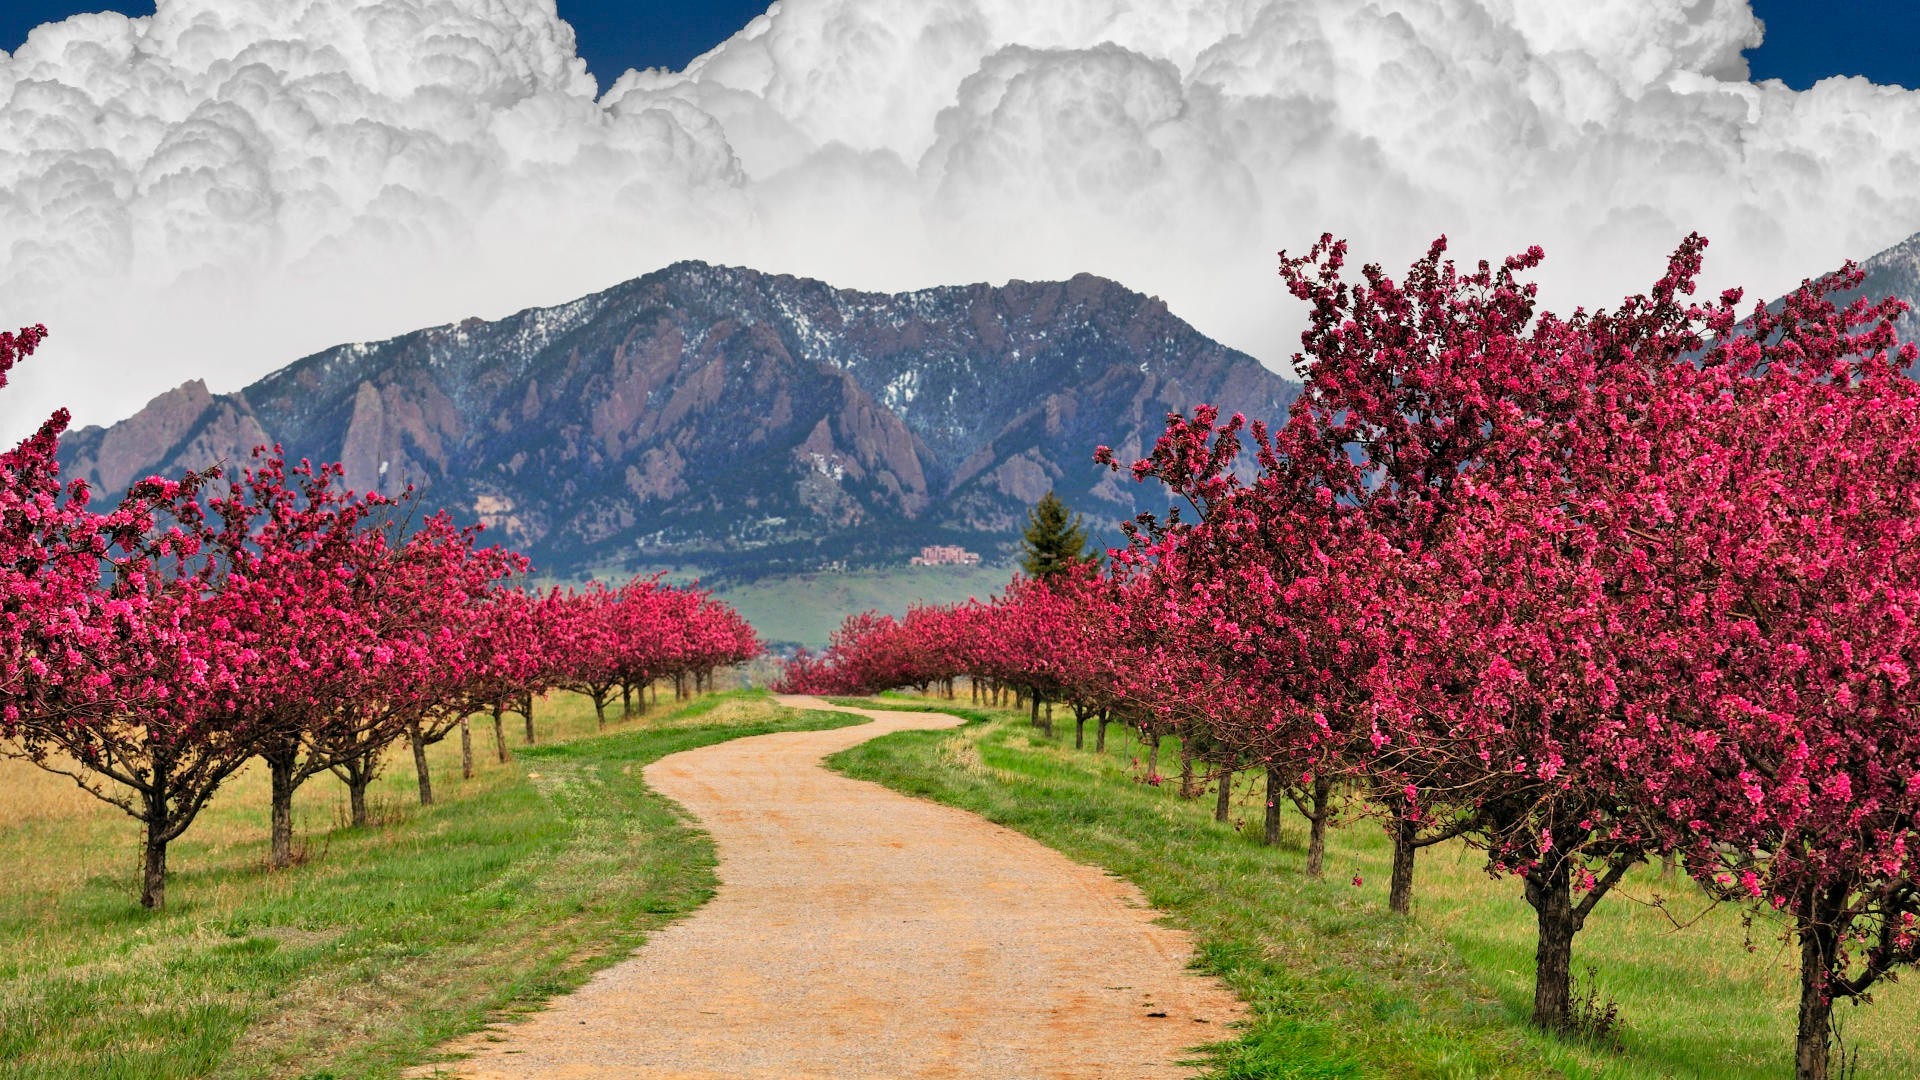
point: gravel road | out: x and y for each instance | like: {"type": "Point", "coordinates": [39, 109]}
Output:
{"type": "Point", "coordinates": [861, 933]}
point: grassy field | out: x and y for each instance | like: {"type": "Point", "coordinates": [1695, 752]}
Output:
{"type": "Point", "coordinates": [805, 608]}
{"type": "Point", "coordinates": [1342, 988]}
{"type": "Point", "coordinates": [385, 942]}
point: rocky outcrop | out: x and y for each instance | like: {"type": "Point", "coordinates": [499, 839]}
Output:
{"type": "Point", "coordinates": [736, 420]}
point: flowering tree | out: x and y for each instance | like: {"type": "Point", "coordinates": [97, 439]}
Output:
{"type": "Point", "coordinates": [443, 583]}
{"type": "Point", "coordinates": [290, 544]}
{"type": "Point", "coordinates": [1253, 606]}
{"type": "Point", "coordinates": [106, 674]}
{"type": "Point", "coordinates": [1765, 517]}
{"type": "Point", "coordinates": [510, 662]}
{"type": "Point", "coordinates": [133, 701]}
{"type": "Point", "coordinates": [1416, 382]}
{"type": "Point", "coordinates": [600, 640]}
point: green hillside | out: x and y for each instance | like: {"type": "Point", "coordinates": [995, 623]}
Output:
{"type": "Point", "coordinates": [804, 608]}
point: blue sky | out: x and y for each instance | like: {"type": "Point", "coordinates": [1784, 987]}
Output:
{"type": "Point", "coordinates": [1806, 41]}
{"type": "Point", "coordinates": [614, 34]}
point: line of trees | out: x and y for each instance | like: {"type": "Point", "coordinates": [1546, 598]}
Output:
{"type": "Point", "coordinates": [150, 652]}
{"type": "Point", "coordinates": [1577, 590]}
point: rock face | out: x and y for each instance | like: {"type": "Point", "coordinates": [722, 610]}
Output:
{"type": "Point", "coordinates": [741, 421]}
{"type": "Point", "coordinates": [1896, 272]}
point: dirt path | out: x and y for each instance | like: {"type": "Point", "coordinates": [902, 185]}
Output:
{"type": "Point", "coordinates": [860, 933]}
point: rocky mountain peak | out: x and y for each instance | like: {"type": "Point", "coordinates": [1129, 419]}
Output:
{"type": "Point", "coordinates": [734, 419]}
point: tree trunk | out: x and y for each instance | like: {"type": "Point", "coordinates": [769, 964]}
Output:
{"type": "Point", "coordinates": [1317, 827]}
{"type": "Point", "coordinates": [600, 710]}
{"type": "Point", "coordinates": [529, 719]}
{"type": "Point", "coordinates": [1550, 892]}
{"type": "Point", "coordinates": [1079, 731]}
{"type": "Point", "coordinates": [1153, 757]}
{"type": "Point", "coordinates": [626, 700]}
{"type": "Point", "coordinates": [1100, 734]}
{"type": "Point", "coordinates": [1819, 943]}
{"type": "Point", "coordinates": [1400, 886]}
{"type": "Point", "coordinates": [499, 733]}
{"type": "Point", "coordinates": [153, 878]}
{"type": "Point", "coordinates": [415, 737]}
{"type": "Point", "coordinates": [466, 750]}
{"type": "Point", "coordinates": [1669, 864]}
{"type": "Point", "coordinates": [280, 773]}
{"type": "Point", "coordinates": [1276, 791]}
{"type": "Point", "coordinates": [1224, 803]}
{"type": "Point", "coordinates": [1033, 718]}
{"type": "Point", "coordinates": [1186, 771]}
{"type": "Point", "coordinates": [357, 784]}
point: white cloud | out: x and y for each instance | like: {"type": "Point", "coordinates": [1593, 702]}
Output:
{"type": "Point", "coordinates": [222, 187]}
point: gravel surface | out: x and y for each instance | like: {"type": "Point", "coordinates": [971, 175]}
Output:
{"type": "Point", "coordinates": [861, 933]}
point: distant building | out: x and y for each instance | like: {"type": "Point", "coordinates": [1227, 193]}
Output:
{"type": "Point", "coordinates": [944, 555]}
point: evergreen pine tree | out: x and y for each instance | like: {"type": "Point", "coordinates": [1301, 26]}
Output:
{"type": "Point", "coordinates": [1053, 541]}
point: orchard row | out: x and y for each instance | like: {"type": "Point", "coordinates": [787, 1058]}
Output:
{"type": "Point", "coordinates": [1579, 590]}
{"type": "Point", "coordinates": [151, 651]}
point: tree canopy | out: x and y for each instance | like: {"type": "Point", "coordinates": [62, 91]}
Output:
{"type": "Point", "coordinates": [1055, 541]}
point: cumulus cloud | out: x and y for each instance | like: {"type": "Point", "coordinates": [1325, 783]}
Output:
{"type": "Point", "coordinates": [228, 184]}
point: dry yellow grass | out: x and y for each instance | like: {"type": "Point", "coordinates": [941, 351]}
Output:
{"type": "Point", "coordinates": [30, 793]}
{"type": "Point", "coordinates": [40, 809]}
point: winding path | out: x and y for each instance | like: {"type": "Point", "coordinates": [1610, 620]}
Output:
{"type": "Point", "coordinates": [861, 933]}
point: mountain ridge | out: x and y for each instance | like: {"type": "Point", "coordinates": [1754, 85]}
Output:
{"type": "Point", "coordinates": [728, 417]}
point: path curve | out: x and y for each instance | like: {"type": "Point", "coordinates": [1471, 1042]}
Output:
{"type": "Point", "coordinates": [860, 933]}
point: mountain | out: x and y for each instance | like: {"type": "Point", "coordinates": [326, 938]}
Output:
{"type": "Point", "coordinates": [1896, 272]}
{"type": "Point", "coordinates": [738, 421]}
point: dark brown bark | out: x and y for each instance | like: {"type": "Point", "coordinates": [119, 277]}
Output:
{"type": "Point", "coordinates": [418, 739]}
{"type": "Point", "coordinates": [280, 766]}
{"type": "Point", "coordinates": [626, 700]}
{"type": "Point", "coordinates": [153, 877]}
{"type": "Point", "coordinates": [1317, 825]}
{"type": "Point", "coordinates": [1153, 756]}
{"type": "Point", "coordinates": [357, 783]}
{"type": "Point", "coordinates": [1819, 945]}
{"type": "Point", "coordinates": [600, 710]}
{"type": "Point", "coordinates": [1550, 892]}
{"type": "Point", "coordinates": [1276, 791]}
{"type": "Point", "coordinates": [499, 733]}
{"type": "Point", "coordinates": [466, 750]}
{"type": "Point", "coordinates": [1186, 771]}
{"type": "Point", "coordinates": [1224, 802]}
{"type": "Point", "coordinates": [529, 719]}
{"type": "Point", "coordinates": [1559, 918]}
{"type": "Point", "coordinates": [1400, 883]}
{"type": "Point", "coordinates": [1079, 730]}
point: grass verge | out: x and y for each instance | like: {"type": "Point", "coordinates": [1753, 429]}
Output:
{"type": "Point", "coordinates": [1340, 987]}
{"type": "Point", "coordinates": [385, 943]}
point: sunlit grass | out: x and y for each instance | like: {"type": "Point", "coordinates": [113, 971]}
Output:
{"type": "Point", "coordinates": [386, 941]}
{"type": "Point", "coordinates": [1344, 988]}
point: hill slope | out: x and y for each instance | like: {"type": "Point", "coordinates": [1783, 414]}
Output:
{"type": "Point", "coordinates": [741, 421]}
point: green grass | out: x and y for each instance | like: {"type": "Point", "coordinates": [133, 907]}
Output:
{"type": "Point", "coordinates": [805, 608]}
{"type": "Point", "coordinates": [385, 943]}
{"type": "Point", "coordinates": [1340, 986]}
